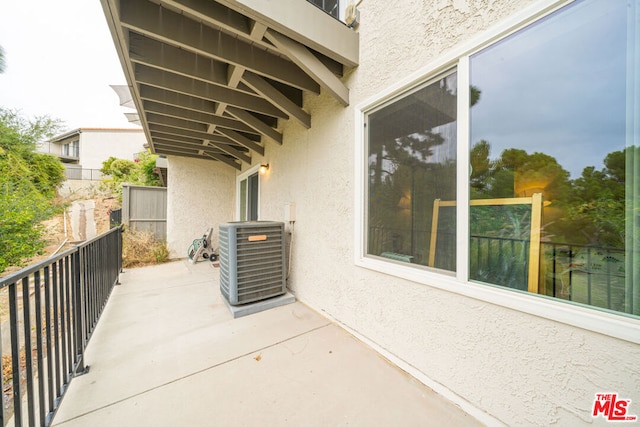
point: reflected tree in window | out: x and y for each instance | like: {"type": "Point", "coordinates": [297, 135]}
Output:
{"type": "Point", "coordinates": [411, 164]}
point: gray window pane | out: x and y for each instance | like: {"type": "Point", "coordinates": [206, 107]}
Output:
{"type": "Point", "coordinates": [412, 167]}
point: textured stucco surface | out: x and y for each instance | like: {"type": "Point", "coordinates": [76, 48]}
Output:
{"type": "Point", "coordinates": [200, 195]}
{"type": "Point", "coordinates": [519, 368]}
{"type": "Point", "coordinates": [97, 146]}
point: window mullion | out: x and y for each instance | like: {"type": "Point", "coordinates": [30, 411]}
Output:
{"type": "Point", "coordinates": [462, 191]}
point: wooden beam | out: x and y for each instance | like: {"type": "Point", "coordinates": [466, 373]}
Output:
{"type": "Point", "coordinates": [175, 138]}
{"type": "Point", "coordinates": [203, 106]}
{"type": "Point", "coordinates": [242, 140]}
{"type": "Point", "coordinates": [160, 23]}
{"type": "Point", "coordinates": [230, 162]}
{"type": "Point", "coordinates": [277, 98]}
{"type": "Point", "coordinates": [185, 85]}
{"type": "Point", "coordinates": [218, 139]}
{"type": "Point", "coordinates": [197, 116]}
{"type": "Point", "coordinates": [215, 140]}
{"type": "Point", "coordinates": [203, 156]}
{"type": "Point", "coordinates": [256, 123]}
{"type": "Point", "coordinates": [534, 243]}
{"type": "Point", "coordinates": [152, 53]}
{"type": "Point", "coordinates": [186, 145]}
{"type": "Point", "coordinates": [169, 97]}
{"type": "Point", "coordinates": [311, 65]}
{"type": "Point", "coordinates": [176, 123]}
{"type": "Point", "coordinates": [198, 127]}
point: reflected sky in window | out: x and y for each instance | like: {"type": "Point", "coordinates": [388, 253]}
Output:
{"type": "Point", "coordinates": [558, 88]}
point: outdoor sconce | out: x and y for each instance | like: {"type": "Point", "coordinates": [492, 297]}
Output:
{"type": "Point", "coordinates": [263, 169]}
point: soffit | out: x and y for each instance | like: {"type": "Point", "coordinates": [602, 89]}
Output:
{"type": "Point", "coordinates": [212, 79]}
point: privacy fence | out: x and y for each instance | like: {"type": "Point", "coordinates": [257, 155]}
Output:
{"type": "Point", "coordinates": [145, 209]}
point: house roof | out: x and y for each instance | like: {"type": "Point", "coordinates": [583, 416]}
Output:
{"type": "Point", "coordinates": [76, 132]}
{"type": "Point", "coordinates": [212, 79]}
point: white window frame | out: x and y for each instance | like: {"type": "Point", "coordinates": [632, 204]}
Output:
{"type": "Point", "coordinates": [591, 319]}
{"type": "Point", "coordinates": [241, 177]}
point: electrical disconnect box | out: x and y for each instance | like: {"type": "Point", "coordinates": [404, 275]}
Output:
{"type": "Point", "coordinates": [290, 212]}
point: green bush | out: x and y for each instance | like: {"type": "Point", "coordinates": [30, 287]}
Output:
{"type": "Point", "coordinates": [28, 184]}
{"type": "Point", "coordinates": [142, 171]}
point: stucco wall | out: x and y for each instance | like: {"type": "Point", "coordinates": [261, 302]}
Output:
{"type": "Point", "coordinates": [96, 146]}
{"type": "Point", "coordinates": [519, 368]}
{"type": "Point", "coordinates": [199, 196]}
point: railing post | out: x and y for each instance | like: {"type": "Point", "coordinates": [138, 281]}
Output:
{"type": "Point", "coordinates": [15, 354]}
{"type": "Point", "coordinates": [78, 314]}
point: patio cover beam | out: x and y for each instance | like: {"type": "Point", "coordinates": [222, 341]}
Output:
{"type": "Point", "coordinates": [255, 123]}
{"type": "Point", "coordinates": [277, 98]}
{"type": "Point", "coordinates": [197, 116]}
{"type": "Point", "coordinates": [199, 154]}
{"type": "Point", "coordinates": [306, 60]}
{"type": "Point", "coordinates": [220, 142]}
{"type": "Point", "coordinates": [200, 105]}
{"type": "Point", "coordinates": [169, 27]}
{"type": "Point", "coordinates": [198, 127]}
{"type": "Point", "coordinates": [163, 79]}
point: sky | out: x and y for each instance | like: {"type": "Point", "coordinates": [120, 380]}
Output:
{"type": "Point", "coordinates": [558, 88]}
{"type": "Point", "coordinates": [60, 60]}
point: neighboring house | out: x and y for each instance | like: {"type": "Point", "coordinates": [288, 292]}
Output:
{"type": "Point", "coordinates": [465, 174]}
{"type": "Point", "coordinates": [83, 150]}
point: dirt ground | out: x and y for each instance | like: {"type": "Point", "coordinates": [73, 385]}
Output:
{"type": "Point", "coordinates": [58, 232]}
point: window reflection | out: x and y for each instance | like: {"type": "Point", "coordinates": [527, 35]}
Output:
{"type": "Point", "coordinates": [412, 166]}
{"type": "Point", "coordinates": [551, 132]}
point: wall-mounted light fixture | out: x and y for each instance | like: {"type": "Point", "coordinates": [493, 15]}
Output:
{"type": "Point", "coordinates": [263, 169]}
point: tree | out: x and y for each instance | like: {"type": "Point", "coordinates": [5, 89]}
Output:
{"type": "Point", "coordinates": [142, 171]}
{"type": "Point", "coordinates": [28, 184]}
{"type": "Point", "coordinates": [598, 201]}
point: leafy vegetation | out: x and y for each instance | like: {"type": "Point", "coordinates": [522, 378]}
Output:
{"type": "Point", "coordinates": [28, 184]}
{"type": "Point", "coordinates": [142, 171]}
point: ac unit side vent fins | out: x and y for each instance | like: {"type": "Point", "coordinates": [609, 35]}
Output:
{"type": "Point", "coordinates": [252, 261]}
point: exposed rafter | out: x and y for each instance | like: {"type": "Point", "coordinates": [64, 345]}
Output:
{"type": "Point", "coordinates": [212, 79]}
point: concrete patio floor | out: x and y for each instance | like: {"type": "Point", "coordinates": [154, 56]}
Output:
{"type": "Point", "coordinates": [167, 352]}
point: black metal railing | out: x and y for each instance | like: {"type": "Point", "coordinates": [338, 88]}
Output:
{"type": "Point", "coordinates": [585, 274]}
{"type": "Point", "coordinates": [115, 217]}
{"type": "Point", "coordinates": [54, 307]}
{"type": "Point", "coordinates": [591, 275]}
{"type": "Point", "coordinates": [329, 6]}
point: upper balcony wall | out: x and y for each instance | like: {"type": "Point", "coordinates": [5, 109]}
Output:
{"type": "Point", "coordinates": [305, 23]}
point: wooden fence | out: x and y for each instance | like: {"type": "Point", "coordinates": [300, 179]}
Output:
{"type": "Point", "coordinates": [145, 208]}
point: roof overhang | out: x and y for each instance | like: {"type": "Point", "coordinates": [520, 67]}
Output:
{"type": "Point", "coordinates": [211, 79]}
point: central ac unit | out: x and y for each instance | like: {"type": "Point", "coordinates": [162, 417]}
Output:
{"type": "Point", "coordinates": [252, 261]}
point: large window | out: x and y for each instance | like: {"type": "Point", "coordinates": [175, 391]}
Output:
{"type": "Point", "coordinates": [412, 169]}
{"type": "Point", "coordinates": [552, 137]}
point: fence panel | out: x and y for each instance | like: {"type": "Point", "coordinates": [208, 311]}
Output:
{"type": "Point", "coordinates": [145, 208]}
{"type": "Point", "coordinates": [83, 174]}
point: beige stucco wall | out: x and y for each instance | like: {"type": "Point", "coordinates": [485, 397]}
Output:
{"type": "Point", "coordinates": [200, 195]}
{"type": "Point", "coordinates": [519, 368]}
